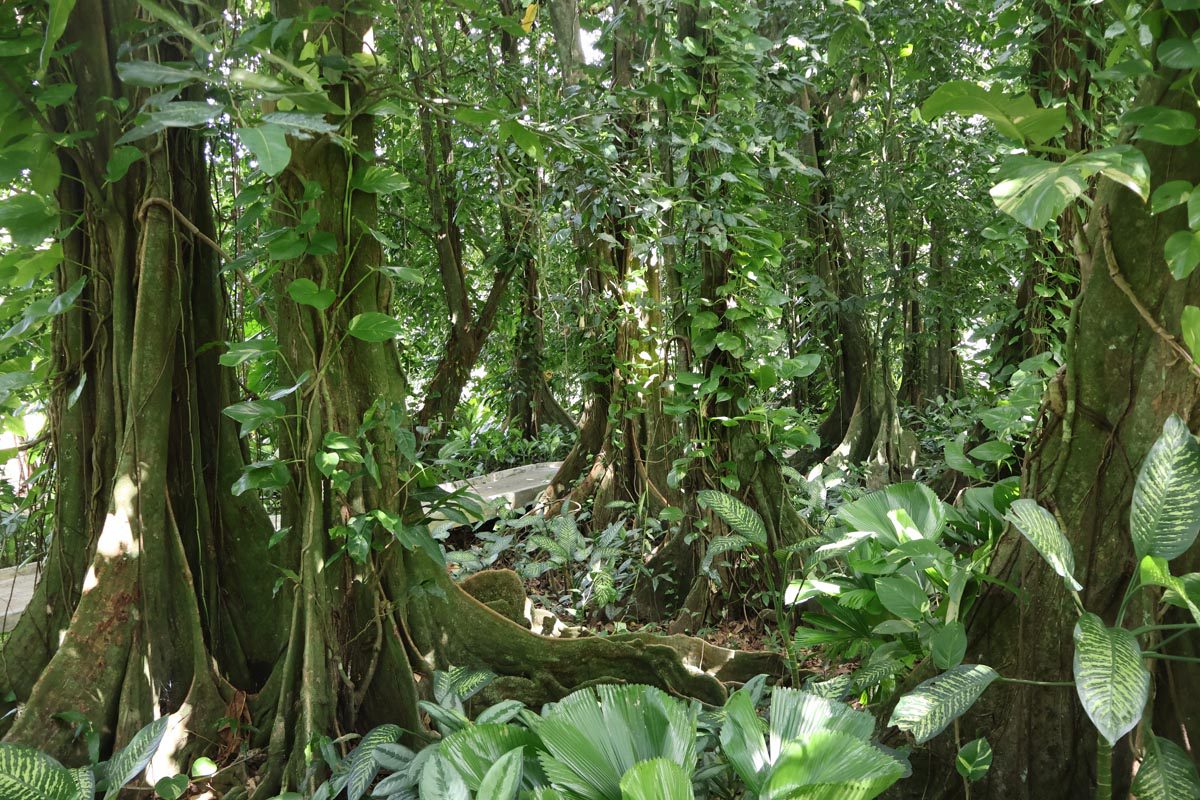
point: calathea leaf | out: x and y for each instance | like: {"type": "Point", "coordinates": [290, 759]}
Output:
{"type": "Point", "coordinates": [1112, 682]}
{"type": "Point", "coordinates": [1164, 517]}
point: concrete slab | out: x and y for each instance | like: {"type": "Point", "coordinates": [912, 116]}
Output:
{"type": "Point", "coordinates": [16, 590]}
{"type": "Point", "coordinates": [508, 488]}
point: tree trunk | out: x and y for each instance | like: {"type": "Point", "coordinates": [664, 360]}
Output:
{"type": "Point", "coordinates": [1125, 381]}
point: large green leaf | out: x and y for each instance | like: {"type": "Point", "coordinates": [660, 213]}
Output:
{"type": "Point", "coordinates": [269, 146]}
{"type": "Point", "coordinates": [148, 73]}
{"type": "Point", "coordinates": [830, 765]}
{"type": "Point", "coordinates": [474, 749]}
{"type": "Point", "coordinates": [1167, 773]}
{"type": "Point", "coordinates": [1112, 682]}
{"type": "Point", "coordinates": [1041, 529]}
{"type": "Point", "coordinates": [28, 774]}
{"type": "Point", "coordinates": [873, 512]}
{"type": "Point", "coordinates": [595, 735]}
{"type": "Point", "coordinates": [742, 519]}
{"type": "Point", "coordinates": [902, 596]}
{"type": "Point", "coordinates": [1034, 191]}
{"type": "Point", "coordinates": [928, 709]}
{"type": "Point", "coordinates": [1017, 117]}
{"type": "Point", "coordinates": [374, 327]}
{"type": "Point", "coordinates": [441, 780]}
{"type": "Point", "coordinates": [131, 759]}
{"type": "Point", "coordinates": [656, 779]}
{"type": "Point", "coordinates": [1164, 517]}
{"type": "Point", "coordinates": [503, 778]}
{"type": "Point", "coordinates": [56, 25]}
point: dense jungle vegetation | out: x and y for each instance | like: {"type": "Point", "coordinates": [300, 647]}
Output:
{"type": "Point", "coordinates": [857, 341]}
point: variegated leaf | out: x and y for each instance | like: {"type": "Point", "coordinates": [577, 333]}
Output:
{"type": "Point", "coordinates": [28, 774]}
{"type": "Point", "coordinates": [1165, 514]}
{"type": "Point", "coordinates": [742, 519]}
{"type": "Point", "coordinates": [1041, 529]}
{"type": "Point", "coordinates": [928, 709]}
{"type": "Point", "coordinates": [1112, 682]}
{"type": "Point", "coordinates": [1167, 773]}
{"type": "Point", "coordinates": [131, 759]}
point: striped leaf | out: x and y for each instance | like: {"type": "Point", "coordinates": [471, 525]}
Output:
{"type": "Point", "coordinates": [1041, 529]}
{"type": "Point", "coordinates": [1165, 515]}
{"type": "Point", "coordinates": [1167, 773]}
{"type": "Point", "coordinates": [974, 759]}
{"type": "Point", "coordinates": [363, 767]}
{"type": "Point", "coordinates": [441, 780]}
{"type": "Point", "coordinates": [85, 782]}
{"type": "Point", "coordinates": [131, 759]}
{"type": "Point", "coordinates": [928, 709]}
{"type": "Point", "coordinates": [474, 749]}
{"type": "Point", "coordinates": [657, 779]}
{"type": "Point", "coordinates": [503, 778]}
{"type": "Point", "coordinates": [1112, 682]}
{"type": "Point", "coordinates": [738, 516]}
{"type": "Point", "coordinates": [28, 774]}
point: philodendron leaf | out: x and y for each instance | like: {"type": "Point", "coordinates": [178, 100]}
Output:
{"type": "Point", "coordinates": [131, 759]}
{"type": "Point", "coordinates": [974, 759]}
{"type": "Point", "coordinates": [28, 774]}
{"type": "Point", "coordinates": [1041, 529]}
{"type": "Point", "coordinates": [1165, 514]}
{"type": "Point", "coordinates": [1112, 682]}
{"type": "Point", "coordinates": [928, 709]}
{"type": "Point", "coordinates": [1157, 572]}
{"type": "Point", "coordinates": [1033, 191]}
{"type": "Point", "coordinates": [1167, 773]}
{"type": "Point", "coordinates": [656, 779]}
{"type": "Point", "coordinates": [374, 327]}
{"type": "Point", "coordinates": [1017, 117]}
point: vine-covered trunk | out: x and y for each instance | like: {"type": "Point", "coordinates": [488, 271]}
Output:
{"type": "Point", "coordinates": [1122, 382]}
{"type": "Point", "coordinates": [157, 567]}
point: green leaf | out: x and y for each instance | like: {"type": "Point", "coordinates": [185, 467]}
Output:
{"type": "Point", "coordinates": [525, 138]}
{"type": "Point", "coordinates": [655, 779]}
{"type": "Point", "coordinates": [307, 293]}
{"type": "Point", "coordinates": [928, 709]}
{"type": "Point", "coordinates": [1041, 529]}
{"type": "Point", "coordinates": [1182, 252]}
{"type": "Point", "coordinates": [269, 145]}
{"type": "Point", "coordinates": [1112, 682]}
{"type": "Point", "coordinates": [240, 352]}
{"type": "Point", "coordinates": [1018, 117]}
{"type": "Point", "coordinates": [374, 327]}
{"type": "Point", "coordinates": [1179, 53]}
{"type": "Point", "coordinates": [949, 645]}
{"type": "Point", "coordinates": [28, 218]}
{"type": "Point", "coordinates": [148, 73]}
{"type": "Point", "coordinates": [1158, 124]}
{"type": "Point", "coordinates": [120, 161]}
{"type": "Point", "coordinates": [131, 759]}
{"type": "Point", "coordinates": [176, 21]}
{"type": "Point", "coordinates": [1167, 773]}
{"type": "Point", "coordinates": [974, 759]}
{"type": "Point", "coordinates": [440, 779]}
{"type": "Point", "coordinates": [253, 414]}
{"type": "Point", "coordinates": [873, 512]}
{"type": "Point", "coordinates": [1156, 572]}
{"type": "Point", "coordinates": [172, 788]}
{"type": "Point", "coordinates": [503, 779]}
{"type": "Point", "coordinates": [1169, 195]}
{"type": "Point", "coordinates": [831, 765]}
{"type": "Point", "coordinates": [1164, 516]}
{"type": "Point", "coordinates": [741, 519]}
{"type": "Point", "coordinates": [1034, 191]}
{"type": "Point", "coordinates": [293, 122]}
{"type": "Point", "coordinates": [993, 450]}
{"type": "Point", "coordinates": [379, 180]}
{"type": "Point", "coordinates": [29, 774]}
{"type": "Point", "coordinates": [902, 596]}
{"type": "Point", "coordinates": [60, 12]}
{"type": "Point", "coordinates": [261, 475]}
